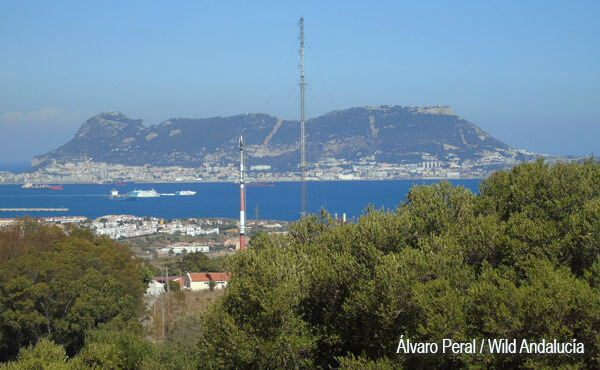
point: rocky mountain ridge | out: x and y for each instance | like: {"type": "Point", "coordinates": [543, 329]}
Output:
{"type": "Point", "coordinates": [384, 134]}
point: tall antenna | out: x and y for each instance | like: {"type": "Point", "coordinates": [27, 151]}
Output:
{"type": "Point", "coordinates": [242, 198]}
{"type": "Point", "coordinates": [302, 139]}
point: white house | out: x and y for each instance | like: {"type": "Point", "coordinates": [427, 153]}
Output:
{"type": "Point", "coordinates": [202, 280]}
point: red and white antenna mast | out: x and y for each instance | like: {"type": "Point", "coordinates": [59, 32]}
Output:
{"type": "Point", "coordinates": [242, 198]}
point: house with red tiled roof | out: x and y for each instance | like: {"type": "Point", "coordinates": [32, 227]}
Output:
{"type": "Point", "coordinates": [202, 280]}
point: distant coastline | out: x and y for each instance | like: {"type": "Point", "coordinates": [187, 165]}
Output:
{"type": "Point", "coordinates": [273, 182]}
{"type": "Point", "coordinates": [89, 172]}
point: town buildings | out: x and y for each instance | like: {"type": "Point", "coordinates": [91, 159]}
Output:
{"type": "Point", "coordinates": [363, 168]}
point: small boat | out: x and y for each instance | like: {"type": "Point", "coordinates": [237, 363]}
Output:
{"type": "Point", "coordinates": [55, 187]}
{"type": "Point", "coordinates": [185, 192]}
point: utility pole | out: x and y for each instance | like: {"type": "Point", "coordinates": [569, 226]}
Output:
{"type": "Point", "coordinates": [302, 139]}
{"type": "Point", "coordinates": [163, 317]}
{"type": "Point", "coordinates": [167, 281]}
{"type": "Point", "coordinates": [242, 198]}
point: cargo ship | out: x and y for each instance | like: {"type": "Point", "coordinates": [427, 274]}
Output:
{"type": "Point", "coordinates": [41, 186]}
{"type": "Point", "coordinates": [34, 186]}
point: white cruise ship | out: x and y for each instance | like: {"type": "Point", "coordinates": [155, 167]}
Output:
{"type": "Point", "coordinates": [185, 192]}
{"type": "Point", "coordinates": [144, 193]}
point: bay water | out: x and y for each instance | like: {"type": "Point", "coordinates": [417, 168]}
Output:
{"type": "Point", "coordinates": [278, 202]}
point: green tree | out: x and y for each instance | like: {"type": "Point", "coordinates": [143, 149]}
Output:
{"type": "Point", "coordinates": [78, 284]}
{"type": "Point", "coordinates": [518, 260]}
{"type": "Point", "coordinates": [41, 356]}
{"type": "Point", "coordinates": [146, 275]}
{"type": "Point", "coordinates": [113, 349]}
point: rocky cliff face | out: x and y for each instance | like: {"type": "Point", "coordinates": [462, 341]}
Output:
{"type": "Point", "coordinates": [391, 134]}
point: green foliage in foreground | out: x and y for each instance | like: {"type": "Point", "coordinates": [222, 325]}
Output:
{"type": "Point", "coordinates": [106, 349]}
{"type": "Point", "coordinates": [65, 288]}
{"type": "Point", "coordinates": [520, 260]}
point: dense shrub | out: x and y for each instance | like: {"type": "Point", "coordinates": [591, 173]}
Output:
{"type": "Point", "coordinates": [517, 261]}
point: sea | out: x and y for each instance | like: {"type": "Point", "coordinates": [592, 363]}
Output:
{"type": "Point", "coordinates": [278, 202]}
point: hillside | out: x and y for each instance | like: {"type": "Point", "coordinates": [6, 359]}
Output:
{"type": "Point", "coordinates": [385, 134]}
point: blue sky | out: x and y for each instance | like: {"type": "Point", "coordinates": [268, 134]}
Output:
{"type": "Point", "coordinates": [527, 72]}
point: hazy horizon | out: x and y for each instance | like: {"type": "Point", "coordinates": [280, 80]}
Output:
{"type": "Point", "coordinates": [525, 73]}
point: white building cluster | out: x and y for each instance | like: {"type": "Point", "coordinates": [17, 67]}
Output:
{"type": "Point", "coordinates": [126, 226]}
{"type": "Point", "coordinates": [61, 220]}
{"type": "Point", "coordinates": [186, 229]}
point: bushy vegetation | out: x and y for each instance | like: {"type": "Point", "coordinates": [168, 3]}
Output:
{"type": "Point", "coordinates": [61, 287]}
{"type": "Point", "coordinates": [519, 260]}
